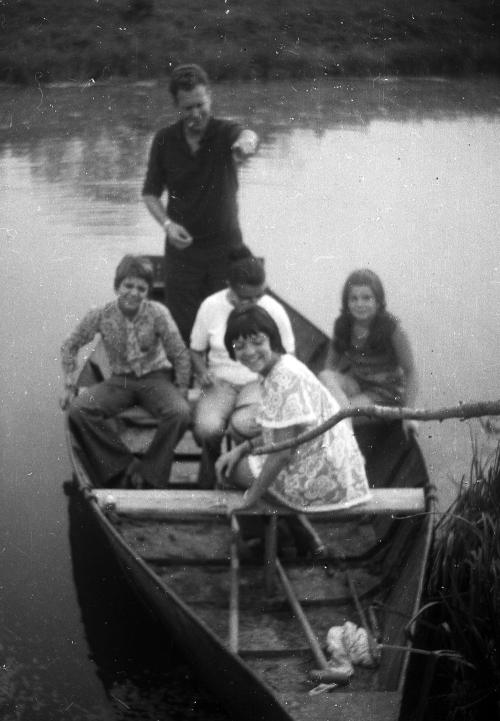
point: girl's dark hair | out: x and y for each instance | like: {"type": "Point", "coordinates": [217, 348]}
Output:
{"type": "Point", "coordinates": [187, 77]}
{"type": "Point", "coordinates": [245, 322]}
{"type": "Point", "coordinates": [245, 268]}
{"type": "Point", "coordinates": [383, 324]}
{"type": "Point", "coordinates": [137, 266]}
{"type": "Point", "coordinates": [365, 276]}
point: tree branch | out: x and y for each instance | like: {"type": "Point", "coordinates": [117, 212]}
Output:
{"type": "Point", "coordinates": [387, 413]}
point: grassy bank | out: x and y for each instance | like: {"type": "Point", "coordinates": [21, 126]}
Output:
{"type": "Point", "coordinates": [63, 40]}
{"type": "Point", "coordinates": [463, 593]}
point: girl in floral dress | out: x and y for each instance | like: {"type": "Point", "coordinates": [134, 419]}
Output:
{"type": "Point", "coordinates": [323, 474]}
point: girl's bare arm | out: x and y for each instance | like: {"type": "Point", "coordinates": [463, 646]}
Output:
{"type": "Point", "coordinates": [332, 358]}
{"type": "Point", "coordinates": [272, 465]}
{"type": "Point", "coordinates": [405, 358]}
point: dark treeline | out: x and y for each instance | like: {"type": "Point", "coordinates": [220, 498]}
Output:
{"type": "Point", "coordinates": [75, 40]}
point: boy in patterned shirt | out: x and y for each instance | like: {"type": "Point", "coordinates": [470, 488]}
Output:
{"type": "Point", "coordinates": [145, 353]}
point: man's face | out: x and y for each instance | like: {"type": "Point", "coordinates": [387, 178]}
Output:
{"type": "Point", "coordinates": [194, 107]}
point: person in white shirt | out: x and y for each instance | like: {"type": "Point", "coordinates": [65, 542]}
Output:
{"type": "Point", "coordinates": [230, 392]}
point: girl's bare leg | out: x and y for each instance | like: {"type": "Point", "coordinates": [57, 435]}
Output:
{"type": "Point", "coordinates": [241, 477]}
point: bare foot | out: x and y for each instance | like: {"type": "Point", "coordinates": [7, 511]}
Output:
{"type": "Point", "coordinates": [132, 477]}
{"type": "Point", "coordinates": [136, 480]}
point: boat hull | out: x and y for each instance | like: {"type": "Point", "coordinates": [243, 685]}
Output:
{"type": "Point", "coordinates": [171, 587]}
{"type": "Point", "coordinates": [241, 690]}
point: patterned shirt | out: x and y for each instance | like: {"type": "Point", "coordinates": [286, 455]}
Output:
{"type": "Point", "coordinates": [150, 341]}
{"type": "Point", "coordinates": [323, 474]}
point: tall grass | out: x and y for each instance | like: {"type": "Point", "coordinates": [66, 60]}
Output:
{"type": "Point", "coordinates": [464, 590]}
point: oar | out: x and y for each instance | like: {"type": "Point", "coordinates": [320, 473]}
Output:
{"type": "Point", "coordinates": [463, 411]}
{"type": "Point", "coordinates": [325, 673]}
{"type": "Point", "coordinates": [374, 624]}
{"type": "Point", "coordinates": [234, 586]}
{"type": "Point", "coordinates": [317, 541]}
{"type": "Point", "coordinates": [372, 644]}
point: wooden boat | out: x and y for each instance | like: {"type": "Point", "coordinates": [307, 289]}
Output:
{"type": "Point", "coordinates": [253, 625]}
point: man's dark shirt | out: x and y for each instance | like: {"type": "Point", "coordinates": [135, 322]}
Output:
{"type": "Point", "coordinates": [201, 187]}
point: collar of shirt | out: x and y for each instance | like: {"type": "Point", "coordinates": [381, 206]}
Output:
{"type": "Point", "coordinates": [210, 131]}
{"type": "Point", "coordinates": [130, 355]}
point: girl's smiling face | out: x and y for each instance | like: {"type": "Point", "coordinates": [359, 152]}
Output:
{"type": "Point", "coordinates": [131, 292]}
{"type": "Point", "coordinates": [362, 304]}
{"type": "Point", "coordinates": [255, 353]}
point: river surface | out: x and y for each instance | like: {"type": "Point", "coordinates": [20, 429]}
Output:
{"type": "Point", "coordinates": [402, 177]}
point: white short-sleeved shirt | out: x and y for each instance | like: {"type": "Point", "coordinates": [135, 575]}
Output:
{"type": "Point", "coordinates": [325, 473]}
{"type": "Point", "coordinates": [210, 327]}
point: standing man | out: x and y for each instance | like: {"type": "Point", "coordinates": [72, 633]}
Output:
{"type": "Point", "coordinates": [194, 161]}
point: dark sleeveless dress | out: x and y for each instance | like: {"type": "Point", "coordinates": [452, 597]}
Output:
{"type": "Point", "coordinates": [377, 373]}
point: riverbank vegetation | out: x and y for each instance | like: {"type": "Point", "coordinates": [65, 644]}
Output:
{"type": "Point", "coordinates": [463, 591]}
{"type": "Point", "coordinates": [77, 40]}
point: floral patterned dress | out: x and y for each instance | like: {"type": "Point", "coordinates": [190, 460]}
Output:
{"type": "Point", "coordinates": [325, 473]}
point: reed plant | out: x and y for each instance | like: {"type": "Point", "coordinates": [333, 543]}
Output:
{"type": "Point", "coordinates": [463, 592]}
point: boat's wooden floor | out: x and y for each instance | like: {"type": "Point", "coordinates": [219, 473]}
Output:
{"type": "Point", "coordinates": [192, 559]}
{"type": "Point", "coordinates": [191, 556]}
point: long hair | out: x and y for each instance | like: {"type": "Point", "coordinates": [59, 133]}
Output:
{"type": "Point", "coordinates": [382, 326]}
{"type": "Point", "coordinates": [245, 322]}
{"type": "Point", "coordinates": [137, 266]}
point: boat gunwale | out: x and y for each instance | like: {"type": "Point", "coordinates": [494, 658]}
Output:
{"type": "Point", "coordinates": [86, 491]}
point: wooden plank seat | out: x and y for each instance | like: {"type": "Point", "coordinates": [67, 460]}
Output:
{"type": "Point", "coordinates": [171, 504]}
{"type": "Point", "coordinates": [138, 416]}
{"type": "Point", "coordinates": [136, 428]}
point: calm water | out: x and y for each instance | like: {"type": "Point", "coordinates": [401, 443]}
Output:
{"type": "Point", "coordinates": [401, 177]}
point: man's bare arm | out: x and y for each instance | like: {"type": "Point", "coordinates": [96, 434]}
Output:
{"type": "Point", "coordinates": [176, 233]}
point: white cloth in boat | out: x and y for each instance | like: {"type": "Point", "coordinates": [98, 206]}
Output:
{"type": "Point", "coordinates": [325, 473]}
{"type": "Point", "coordinates": [348, 646]}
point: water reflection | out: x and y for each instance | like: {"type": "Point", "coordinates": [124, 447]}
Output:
{"type": "Point", "coordinates": [402, 177]}
{"type": "Point", "coordinates": [94, 138]}
{"type": "Point", "coordinates": [141, 672]}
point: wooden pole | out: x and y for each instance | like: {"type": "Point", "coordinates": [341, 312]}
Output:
{"type": "Point", "coordinates": [168, 503]}
{"type": "Point", "coordinates": [374, 624]}
{"type": "Point", "coordinates": [271, 552]}
{"type": "Point", "coordinates": [462, 412]}
{"type": "Point", "coordinates": [313, 534]}
{"type": "Point", "coordinates": [234, 587]}
{"type": "Point", "coordinates": [372, 645]}
{"type": "Point", "coordinates": [327, 676]}
{"type": "Point", "coordinates": [316, 649]}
